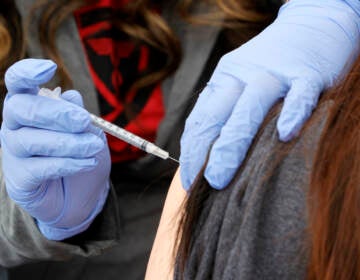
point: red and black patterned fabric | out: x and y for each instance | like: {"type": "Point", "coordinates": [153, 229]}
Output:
{"type": "Point", "coordinates": [115, 62]}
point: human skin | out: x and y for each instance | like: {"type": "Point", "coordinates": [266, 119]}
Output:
{"type": "Point", "coordinates": [161, 262]}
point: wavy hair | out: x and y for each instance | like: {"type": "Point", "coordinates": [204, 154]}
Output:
{"type": "Point", "coordinates": [334, 196]}
{"type": "Point", "coordinates": [333, 199]}
{"type": "Point", "coordinates": [12, 46]}
{"type": "Point", "coordinates": [138, 19]}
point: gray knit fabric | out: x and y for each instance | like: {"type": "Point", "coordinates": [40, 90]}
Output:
{"type": "Point", "coordinates": [256, 228]}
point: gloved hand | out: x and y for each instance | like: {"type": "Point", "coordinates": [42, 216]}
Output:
{"type": "Point", "coordinates": [55, 162]}
{"type": "Point", "coordinates": [304, 51]}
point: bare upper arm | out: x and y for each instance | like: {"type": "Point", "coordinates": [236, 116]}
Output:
{"type": "Point", "coordinates": [161, 262]}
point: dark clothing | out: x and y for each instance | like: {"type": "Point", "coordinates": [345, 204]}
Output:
{"type": "Point", "coordinates": [140, 186]}
{"type": "Point", "coordinates": [132, 211]}
{"type": "Point", "coordinates": [115, 63]}
{"type": "Point", "coordinates": [256, 228]}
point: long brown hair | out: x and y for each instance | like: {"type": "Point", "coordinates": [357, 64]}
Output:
{"type": "Point", "coordinates": [333, 203]}
{"type": "Point", "coordinates": [138, 19]}
{"type": "Point", "coordinates": [11, 38]}
{"type": "Point", "coordinates": [334, 196]}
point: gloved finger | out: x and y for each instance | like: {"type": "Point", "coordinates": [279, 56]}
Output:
{"type": "Point", "coordinates": [28, 142]}
{"type": "Point", "coordinates": [298, 105]}
{"type": "Point", "coordinates": [26, 75]}
{"type": "Point", "coordinates": [73, 96]}
{"type": "Point", "coordinates": [202, 127]}
{"type": "Point", "coordinates": [223, 88]}
{"type": "Point", "coordinates": [230, 148]}
{"type": "Point", "coordinates": [37, 170]}
{"type": "Point", "coordinates": [44, 112]}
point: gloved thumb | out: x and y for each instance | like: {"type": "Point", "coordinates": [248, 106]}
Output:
{"type": "Point", "coordinates": [26, 75]}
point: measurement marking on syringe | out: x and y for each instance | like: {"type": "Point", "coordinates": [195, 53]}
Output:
{"type": "Point", "coordinates": [121, 133]}
{"type": "Point", "coordinates": [116, 131]}
{"type": "Point", "coordinates": [129, 137]}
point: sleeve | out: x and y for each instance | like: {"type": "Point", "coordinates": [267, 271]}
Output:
{"type": "Point", "coordinates": [21, 241]}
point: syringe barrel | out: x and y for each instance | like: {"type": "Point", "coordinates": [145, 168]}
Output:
{"type": "Point", "coordinates": [119, 132]}
{"type": "Point", "coordinates": [115, 130]}
{"type": "Point", "coordinates": [156, 151]}
{"type": "Point", "coordinates": [128, 137]}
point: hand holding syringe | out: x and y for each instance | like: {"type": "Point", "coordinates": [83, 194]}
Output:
{"type": "Point", "coordinates": [116, 131]}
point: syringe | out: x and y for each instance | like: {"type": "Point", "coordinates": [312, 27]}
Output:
{"type": "Point", "coordinates": [117, 131]}
{"type": "Point", "coordinates": [130, 138]}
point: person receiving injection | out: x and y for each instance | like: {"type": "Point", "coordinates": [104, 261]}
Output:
{"type": "Point", "coordinates": [57, 201]}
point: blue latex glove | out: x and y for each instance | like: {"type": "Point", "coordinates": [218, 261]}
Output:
{"type": "Point", "coordinates": [305, 50]}
{"type": "Point", "coordinates": [55, 162]}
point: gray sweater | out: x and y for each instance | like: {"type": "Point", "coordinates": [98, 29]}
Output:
{"type": "Point", "coordinates": [123, 233]}
{"type": "Point", "coordinates": [256, 228]}
{"type": "Point", "coordinates": [118, 242]}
